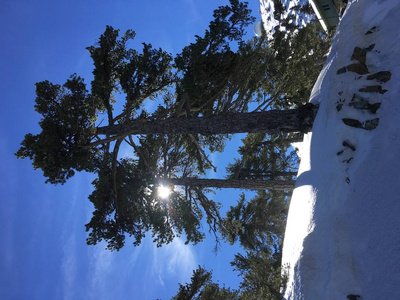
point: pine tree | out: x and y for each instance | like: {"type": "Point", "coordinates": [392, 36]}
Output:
{"type": "Point", "coordinates": [265, 157]}
{"type": "Point", "coordinates": [262, 275]}
{"type": "Point", "coordinates": [125, 197]}
{"type": "Point", "coordinates": [209, 67]}
{"type": "Point", "coordinates": [202, 288]}
{"type": "Point", "coordinates": [258, 224]}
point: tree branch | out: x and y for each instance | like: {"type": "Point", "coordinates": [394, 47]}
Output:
{"type": "Point", "coordinates": [202, 152]}
{"type": "Point", "coordinates": [114, 176]}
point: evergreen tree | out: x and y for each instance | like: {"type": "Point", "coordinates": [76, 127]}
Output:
{"type": "Point", "coordinates": [259, 226]}
{"type": "Point", "coordinates": [125, 196]}
{"type": "Point", "coordinates": [135, 209]}
{"type": "Point", "coordinates": [261, 272]}
{"type": "Point", "coordinates": [258, 222]}
{"type": "Point", "coordinates": [262, 279]}
{"type": "Point", "coordinates": [289, 64]}
{"type": "Point", "coordinates": [289, 70]}
{"type": "Point", "coordinates": [130, 207]}
{"type": "Point", "coordinates": [69, 113]}
{"type": "Point", "coordinates": [209, 67]}
{"type": "Point", "coordinates": [202, 288]}
{"type": "Point", "coordinates": [264, 157]}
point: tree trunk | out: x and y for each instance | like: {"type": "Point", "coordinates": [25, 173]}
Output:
{"type": "Point", "coordinates": [281, 185]}
{"type": "Point", "coordinates": [272, 121]}
{"type": "Point", "coordinates": [296, 139]}
{"type": "Point", "coordinates": [259, 173]}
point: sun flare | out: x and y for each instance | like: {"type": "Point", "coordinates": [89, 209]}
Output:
{"type": "Point", "coordinates": [163, 192]}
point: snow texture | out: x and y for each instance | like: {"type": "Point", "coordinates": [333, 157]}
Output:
{"type": "Point", "coordinates": [342, 238]}
{"type": "Point", "coordinates": [267, 9]}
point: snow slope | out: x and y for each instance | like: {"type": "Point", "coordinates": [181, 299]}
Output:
{"type": "Point", "coordinates": [342, 238]}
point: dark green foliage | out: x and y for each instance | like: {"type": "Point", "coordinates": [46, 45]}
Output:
{"type": "Point", "coordinates": [286, 18]}
{"type": "Point", "coordinates": [291, 62]}
{"type": "Point", "coordinates": [304, 57]}
{"type": "Point", "coordinates": [144, 76]}
{"type": "Point", "coordinates": [284, 65]}
{"type": "Point", "coordinates": [109, 55]}
{"type": "Point", "coordinates": [258, 225]}
{"type": "Point", "coordinates": [135, 208]}
{"type": "Point", "coordinates": [169, 155]}
{"type": "Point", "coordinates": [217, 74]}
{"type": "Point", "coordinates": [69, 111]}
{"type": "Point", "coordinates": [129, 218]}
{"type": "Point", "coordinates": [177, 156]}
{"type": "Point", "coordinates": [140, 76]}
{"type": "Point", "coordinates": [283, 71]}
{"type": "Point", "coordinates": [265, 157]}
{"type": "Point", "coordinates": [126, 202]}
{"type": "Point", "coordinates": [259, 222]}
{"type": "Point", "coordinates": [199, 278]}
{"type": "Point", "coordinates": [68, 114]}
{"type": "Point", "coordinates": [202, 288]}
{"type": "Point", "coordinates": [209, 65]}
{"type": "Point", "coordinates": [261, 272]}
{"type": "Point", "coordinates": [262, 279]}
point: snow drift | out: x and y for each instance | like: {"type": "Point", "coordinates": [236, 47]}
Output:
{"type": "Point", "coordinates": [342, 238]}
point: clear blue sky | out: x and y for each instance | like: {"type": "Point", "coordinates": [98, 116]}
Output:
{"type": "Point", "coordinates": [43, 253]}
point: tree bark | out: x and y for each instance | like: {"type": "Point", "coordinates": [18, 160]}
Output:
{"type": "Point", "coordinates": [280, 185]}
{"type": "Point", "coordinates": [296, 139]}
{"type": "Point", "coordinates": [243, 172]}
{"type": "Point", "coordinates": [272, 121]}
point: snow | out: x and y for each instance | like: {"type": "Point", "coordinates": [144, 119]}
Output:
{"type": "Point", "coordinates": [267, 8]}
{"type": "Point", "coordinates": [343, 230]}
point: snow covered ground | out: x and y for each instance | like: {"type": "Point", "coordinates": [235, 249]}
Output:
{"type": "Point", "coordinates": [343, 233]}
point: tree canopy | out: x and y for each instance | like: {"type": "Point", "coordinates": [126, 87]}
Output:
{"type": "Point", "coordinates": [217, 86]}
{"type": "Point", "coordinates": [219, 79]}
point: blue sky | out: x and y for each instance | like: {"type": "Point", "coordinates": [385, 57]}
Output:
{"type": "Point", "coordinates": [44, 254]}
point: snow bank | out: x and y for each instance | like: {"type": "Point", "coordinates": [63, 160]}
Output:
{"type": "Point", "coordinates": [343, 233]}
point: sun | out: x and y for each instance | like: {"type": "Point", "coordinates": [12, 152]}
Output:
{"type": "Point", "coordinates": [163, 192]}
